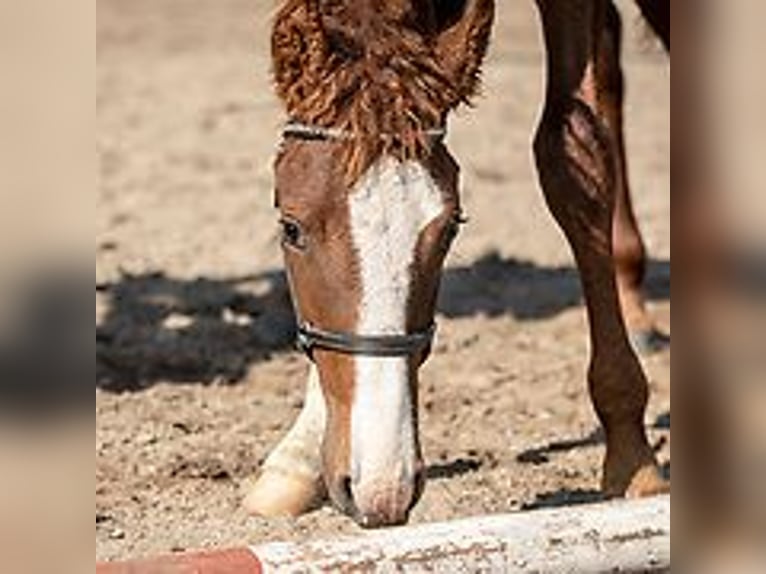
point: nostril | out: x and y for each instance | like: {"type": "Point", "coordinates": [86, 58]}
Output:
{"type": "Point", "coordinates": [345, 487]}
{"type": "Point", "coordinates": [345, 497]}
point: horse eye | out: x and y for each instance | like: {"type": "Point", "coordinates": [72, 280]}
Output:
{"type": "Point", "coordinates": [292, 234]}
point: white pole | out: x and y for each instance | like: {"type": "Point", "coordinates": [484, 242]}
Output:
{"type": "Point", "coordinates": [625, 535]}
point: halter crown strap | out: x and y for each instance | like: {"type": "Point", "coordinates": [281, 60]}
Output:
{"type": "Point", "coordinates": [294, 128]}
{"type": "Point", "coordinates": [310, 338]}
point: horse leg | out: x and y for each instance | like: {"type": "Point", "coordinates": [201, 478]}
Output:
{"type": "Point", "coordinates": [577, 166]}
{"type": "Point", "coordinates": [290, 482]}
{"type": "Point", "coordinates": [628, 247]}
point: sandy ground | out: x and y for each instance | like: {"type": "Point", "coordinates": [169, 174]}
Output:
{"type": "Point", "coordinates": [195, 376]}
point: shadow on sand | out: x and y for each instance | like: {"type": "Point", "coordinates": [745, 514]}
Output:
{"type": "Point", "coordinates": [160, 328]}
{"type": "Point", "coordinates": [566, 497]}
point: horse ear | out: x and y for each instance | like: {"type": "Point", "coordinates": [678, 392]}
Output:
{"type": "Point", "coordinates": [464, 28]}
{"type": "Point", "coordinates": [299, 49]}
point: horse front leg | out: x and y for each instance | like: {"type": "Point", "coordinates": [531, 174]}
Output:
{"type": "Point", "coordinates": [290, 481]}
{"type": "Point", "coordinates": [577, 164]}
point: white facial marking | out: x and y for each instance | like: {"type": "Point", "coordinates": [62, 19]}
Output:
{"type": "Point", "coordinates": [389, 208]}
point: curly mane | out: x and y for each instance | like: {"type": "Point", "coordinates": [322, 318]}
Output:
{"type": "Point", "coordinates": [373, 68]}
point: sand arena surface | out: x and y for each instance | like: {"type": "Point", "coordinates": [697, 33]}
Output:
{"type": "Point", "coordinates": [195, 376]}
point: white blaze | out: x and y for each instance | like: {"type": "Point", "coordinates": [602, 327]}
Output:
{"type": "Point", "coordinates": [389, 208]}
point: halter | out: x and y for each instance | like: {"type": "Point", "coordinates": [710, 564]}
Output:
{"type": "Point", "coordinates": [300, 130]}
{"type": "Point", "coordinates": [404, 345]}
{"type": "Point", "coordinates": [310, 337]}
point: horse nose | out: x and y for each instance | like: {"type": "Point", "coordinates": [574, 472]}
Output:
{"type": "Point", "coordinates": [386, 501]}
{"type": "Point", "coordinates": [341, 495]}
{"type": "Point", "coordinates": [389, 507]}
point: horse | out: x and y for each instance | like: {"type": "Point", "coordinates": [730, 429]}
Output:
{"type": "Point", "coordinates": [369, 205]}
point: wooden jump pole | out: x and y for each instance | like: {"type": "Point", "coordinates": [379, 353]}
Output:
{"type": "Point", "coordinates": [617, 536]}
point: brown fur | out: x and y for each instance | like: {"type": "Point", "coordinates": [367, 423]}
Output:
{"type": "Point", "coordinates": [579, 164]}
{"type": "Point", "coordinates": [325, 278]}
{"type": "Point", "coordinates": [383, 71]}
{"type": "Point", "coordinates": [386, 70]}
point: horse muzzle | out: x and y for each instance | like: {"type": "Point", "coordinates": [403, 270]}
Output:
{"type": "Point", "coordinates": [386, 504]}
{"type": "Point", "coordinates": [385, 501]}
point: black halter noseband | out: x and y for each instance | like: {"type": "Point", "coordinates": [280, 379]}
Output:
{"type": "Point", "coordinates": [309, 337]}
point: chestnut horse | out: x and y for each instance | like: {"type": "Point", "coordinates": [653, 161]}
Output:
{"type": "Point", "coordinates": [369, 203]}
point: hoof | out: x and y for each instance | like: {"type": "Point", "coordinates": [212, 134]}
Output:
{"type": "Point", "coordinates": [276, 493]}
{"type": "Point", "coordinates": [649, 341]}
{"type": "Point", "coordinates": [648, 481]}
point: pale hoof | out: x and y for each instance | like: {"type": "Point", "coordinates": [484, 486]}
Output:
{"type": "Point", "coordinates": [648, 481]}
{"type": "Point", "coordinates": [276, 493]}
